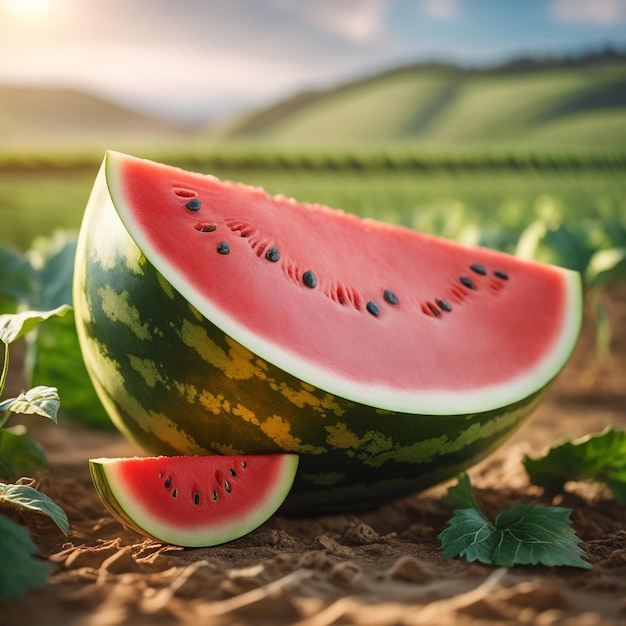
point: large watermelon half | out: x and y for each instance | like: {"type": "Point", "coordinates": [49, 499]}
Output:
{"type": "Point", "coordinates": [215, 318]}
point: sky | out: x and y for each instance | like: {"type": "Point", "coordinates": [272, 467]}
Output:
{"type": "Point", "coordinates": [200, 60]}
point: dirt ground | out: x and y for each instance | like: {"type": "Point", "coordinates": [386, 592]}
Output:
{"type": "Point", "coordinates": [379, 568]}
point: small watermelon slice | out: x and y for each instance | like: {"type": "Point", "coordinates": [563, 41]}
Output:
{"type": "Point", "coordinates": [194, 501]}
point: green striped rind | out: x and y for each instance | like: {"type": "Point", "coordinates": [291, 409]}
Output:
{"type": "Point", "coordinates": [123, 505]}
{"type": "Point", "coordinates": [104, 491]}
{"type": "Point", "coordinates": [176, 384]}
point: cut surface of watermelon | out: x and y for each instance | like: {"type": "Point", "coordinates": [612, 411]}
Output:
{"type": "Point", "coordinates": [374, 313]}
{"type": "Point", "coordinates": [194, 501]}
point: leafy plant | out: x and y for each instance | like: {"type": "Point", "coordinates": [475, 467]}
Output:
{"type": "Point", "coordinates": [597, 250]}
{"type": "Point", "coordinates": [41, 279]}
{"type": "Point", "coordinates": [600, 458]}
{"type": "Point", "coordinates": [523, 535]}
{"type": "Point", "coordinates": [19, 570]}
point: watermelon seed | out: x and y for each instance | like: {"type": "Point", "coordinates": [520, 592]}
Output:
{"type": "Point", "coordinates": [214, 495]}
{"type": "Point", "coordinates": [308, 278]}
{"type": "Point", "coordinates": [501, 275]}
{"type": "Point", "coordinates": [372, 308]}
{"type": "Point", "coordinates": [206, 228]}
{"type": "Point", "coordinates": [233, 473]}
{"type": "Point", "coordinates": [431, 309]}
{"type": "Point", "coordinates": [227, 487]}
{"type": "Point", "coordinates": [467, 282]}
{"type": "Point", "coordinates": [196, 498]}
{"type": "Point", "coordinates": [478, 268]}
{"type": "Point", "coordinates": [194, 204]}
{"type": "Point", "coordinates": [390, 296]}
{"type": "Point", "coordinates": [168, 482]}
{"type": "Point", "coordinates": [174, 493]}
{"type": "Point", "coordinates": [223, 247]}
{"type": "Point", "coordinates": [272, 254]}
{"type": "Point", "coordinates": [184, 193]}
{"type": "Point", "coordinates": [244, 464]}
{"type": "Point", "coordinates": [444, 305]}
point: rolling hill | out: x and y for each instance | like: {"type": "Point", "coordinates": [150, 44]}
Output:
{"type": "Point", "coordinates": [568, 104]}
{"type": "Point", "coordinates": [50, 117]}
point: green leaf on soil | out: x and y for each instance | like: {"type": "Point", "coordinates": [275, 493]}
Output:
{"type": "Point", "coordinates": [19, 570]}
{"type": "Point", "coordinates": [524, 535]}
{"type": "Point", "coordinates": [601, 458]}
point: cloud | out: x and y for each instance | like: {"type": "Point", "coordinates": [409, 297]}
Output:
{"type": "Point", "coordinates": [603, 12]}
{"type": "Point", "coordinates": [357, 20]}
{"type": "Point", "coordinates": [441, 9]}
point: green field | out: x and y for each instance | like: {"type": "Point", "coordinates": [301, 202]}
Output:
{"type": "Point", "coordinates": [449, 200]}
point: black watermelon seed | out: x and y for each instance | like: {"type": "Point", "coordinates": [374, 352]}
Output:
{"type": "Point", "coordinates": [194, 204]}
{"type": "Point", "coordinates": [308, 278]}
{"type": "Point", "coordinates": [272, 254]}
{"type": "Point", "coordinates": [223, 247]}
{"type": "Point", "coordinates": [168, 482]}
{"type": "Point", "coordinates": [444, 305]}
{"type": "Point", "coordinates": [196, 498]}
{"type": "Point", "coordinates": [215, 495]}
{"type": "Point", "coordinates": [233, 473]}
{"type": "Point", "coordinates": [390, 296]}
{"type": "Point", "coordinates": [501, 275]}
{"type": "Point", "coordinates": [478, 268]}
{"type": "Point", "coordinates": [244, 464]}
{"type": "Point", "coordinates": [467, 282]}
{"type": "Point", "coordinates": [227, 487]}
{"type": "Point", "coordinates": [372, 307]}
{"type": "Point", "coordinates": [174, 493]}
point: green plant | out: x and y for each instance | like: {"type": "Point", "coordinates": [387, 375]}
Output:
{"type": "Point", "coordinates": [599, 458]}
{"type": "Point", "coordinates": [19, 570]}
{"type": "Point", "coordinates": [41, 279]}
{"type": "Point", "coordinates": [525, 534]}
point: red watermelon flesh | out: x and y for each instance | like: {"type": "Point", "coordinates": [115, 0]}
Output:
{"type": "Point", "coordinates": [194, 500]}
{"type": "Point", "coordinates": [371, 312]}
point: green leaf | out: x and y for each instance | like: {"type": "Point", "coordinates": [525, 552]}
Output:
{"type": "Point", "coordinates": [52, 258]}
{"type": "Point", "coordinates": [537, 535]}
{"type": "Point", "coordinates": [38, 400]}
{"type": "Point", "coordinates": [14, 325]}
{"type": "Point", "coordinates": [523, 535]}
{"type": "Point", "coordinates": [26, 497]}
{"type": "Point", "coordinates": [18, 453]}
{"type": "Point", "coordinates": [59, 359]}
{"type": "Point", "coordinates": [19, 570]}
{"type": "Point", "coordinates": [16, 278]}
{"type": "Point", "coordinates": [599, 457]}
{"type": "Point", "coordinates": [460, 495]}
{"type": "Point", "coordinates": [606, 267]}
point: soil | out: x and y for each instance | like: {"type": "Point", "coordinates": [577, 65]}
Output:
{"type": "Point", "coordinates": [380, 568]}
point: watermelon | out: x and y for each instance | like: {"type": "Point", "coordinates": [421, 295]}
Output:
{"type": "Point", "coordinates": [194, 501]}
{"type": "Point", "coordinates": [216, 319]}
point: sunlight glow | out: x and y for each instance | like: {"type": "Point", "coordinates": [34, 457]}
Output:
{"type": "Point", "coordinates": [27, 9]}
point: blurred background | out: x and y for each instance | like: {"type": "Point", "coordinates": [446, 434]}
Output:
{"type": "Point", "coordinates": [493, 122]}
{"type": "Point", "coordinates": [467, 115]}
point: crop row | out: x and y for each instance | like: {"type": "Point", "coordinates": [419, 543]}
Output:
{"type": "Point", "coordinates": [359, 159]}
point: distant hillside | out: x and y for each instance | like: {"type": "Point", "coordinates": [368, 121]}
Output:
{"type": "Point", "coordinates": [568, 103]}
{"type": "Point", "coordinates": [48, 116]}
